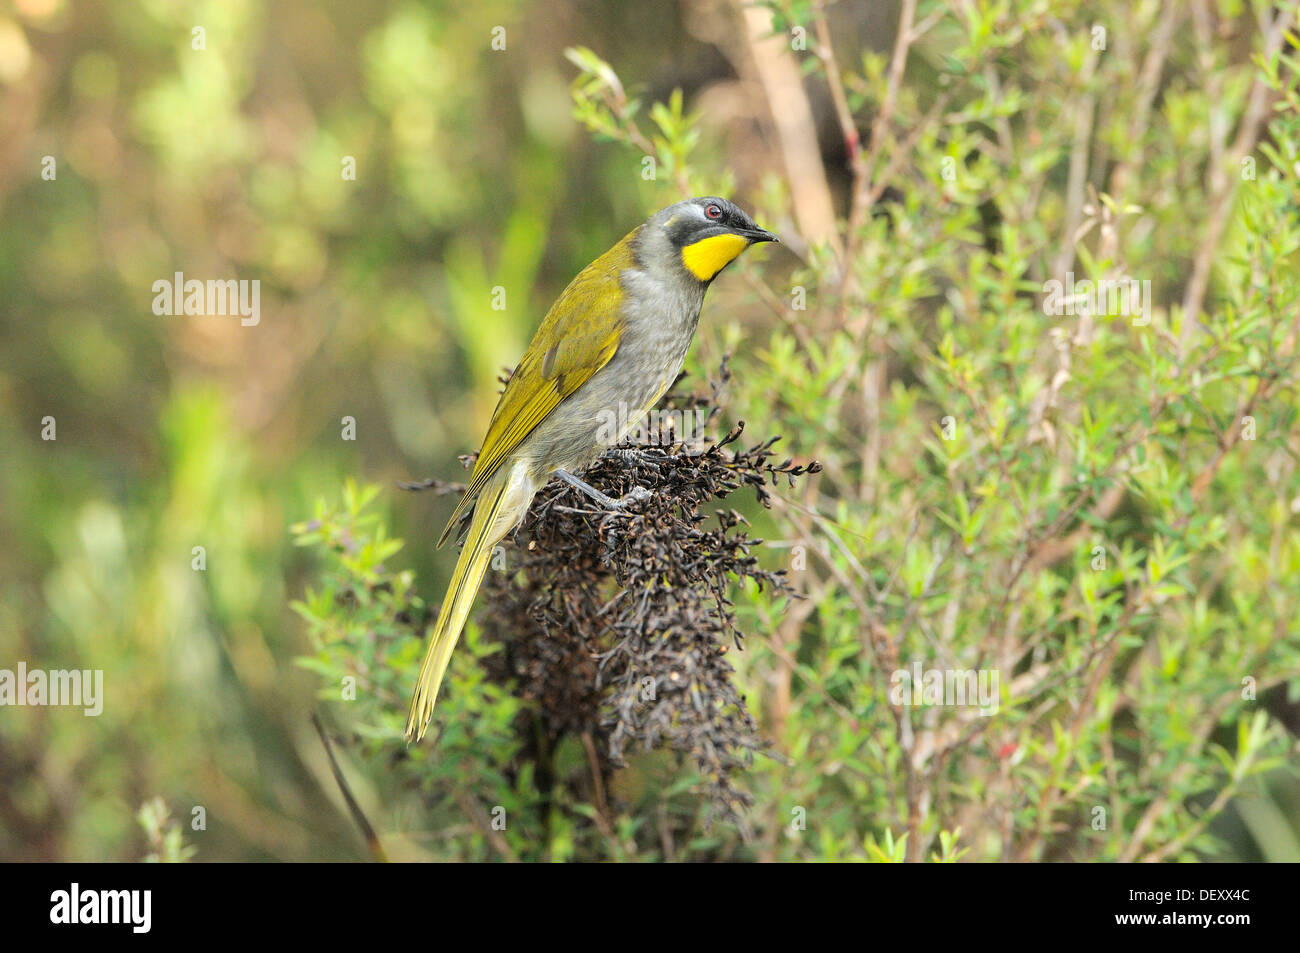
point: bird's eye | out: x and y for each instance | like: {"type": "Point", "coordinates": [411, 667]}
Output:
{"type": "Point", "coordinates": [713, 212]}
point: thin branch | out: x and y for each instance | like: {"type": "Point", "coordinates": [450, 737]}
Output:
{"type": "Point", "coordinates": [354, 808]}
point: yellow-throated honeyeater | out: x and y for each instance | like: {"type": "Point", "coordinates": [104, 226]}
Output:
{"type": "Point", "coordinates": [616, 336]}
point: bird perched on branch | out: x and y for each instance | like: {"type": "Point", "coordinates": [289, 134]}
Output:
{"type": "Point", "coordinates": [609, 347]}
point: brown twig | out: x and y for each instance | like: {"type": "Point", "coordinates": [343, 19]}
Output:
{"type": "Point", "coordinates": [358, 815]}
{"type": "Point", "coordinates": [777, 73]}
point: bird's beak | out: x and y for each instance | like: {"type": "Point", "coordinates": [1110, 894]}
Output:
{"type": "Point", "coordinates": [756, 235]}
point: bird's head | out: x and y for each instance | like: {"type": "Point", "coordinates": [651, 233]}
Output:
{"type": "Point", "coordinates": [706, 234]}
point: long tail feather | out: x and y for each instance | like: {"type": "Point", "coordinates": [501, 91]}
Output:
{"type": "Point", "coordinates": [497, 510]}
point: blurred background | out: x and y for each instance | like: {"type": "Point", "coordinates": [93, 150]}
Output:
{"type": "Point", "coordinates": [381, 168]}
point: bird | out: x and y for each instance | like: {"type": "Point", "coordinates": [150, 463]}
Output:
{"type": "Point", "coordinates": [614, 340]}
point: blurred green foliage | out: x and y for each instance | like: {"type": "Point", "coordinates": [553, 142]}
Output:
{"type": "Point", "coordinates": [977, 452]}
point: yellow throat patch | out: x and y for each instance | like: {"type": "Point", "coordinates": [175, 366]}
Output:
{"type": "Point", "coordinates": [709, 256]}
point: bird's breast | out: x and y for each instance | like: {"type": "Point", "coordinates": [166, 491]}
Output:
{"type": "Point", "coordinates": [659, 322]}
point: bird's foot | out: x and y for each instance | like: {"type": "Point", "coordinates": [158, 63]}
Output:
{"type": "Point", "coordinates": [634, 495]}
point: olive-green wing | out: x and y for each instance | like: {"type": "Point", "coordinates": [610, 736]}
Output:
{"type": "Point", "coordinates": [577, 337]}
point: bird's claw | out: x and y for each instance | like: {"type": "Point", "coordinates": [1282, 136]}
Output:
{"type": "Point", "coordinates": [637, 494]}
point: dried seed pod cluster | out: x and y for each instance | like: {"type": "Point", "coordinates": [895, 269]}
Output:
{"type": "Point", "coordinates": [617, 624]}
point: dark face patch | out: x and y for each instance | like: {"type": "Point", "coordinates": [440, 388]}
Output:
{"type": "Point", "coordinates": [688, 229]}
